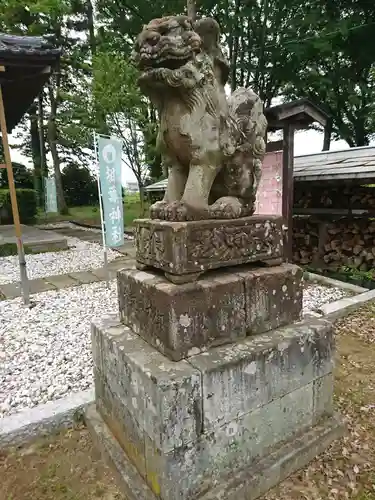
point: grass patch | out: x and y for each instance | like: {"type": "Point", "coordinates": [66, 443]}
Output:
{"type": "Point", "coordinates": [62, 467]}
{"type": "Point", "coordinates": [91, 214]}
{"type": "Point", "coordinates": [8, 249]}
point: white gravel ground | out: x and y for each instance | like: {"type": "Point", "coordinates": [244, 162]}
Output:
{"type": "Point", "coordinates": [81, 256]}
{"type": "Point", "coordinates": [315, 295]}
{"type": "Point", "coordinates": [45, 352]}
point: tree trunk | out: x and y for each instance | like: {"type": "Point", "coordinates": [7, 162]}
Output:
{"type": "Point", "coordinates": [52, 140]}
{"type": "Point", "coordinates": [259, 74]}
{"type": "Point", "coordinates": [90, 26]}
{"type": "Point", "coordinates": [236, 43]}
{"type": "Point", "coordinates": [327, 135]}
{"type": "Point", "coordinates": [42, 137]}
{"type": "Point", "coordinates": [191, 9]}
{"type": "Point", "coordinates": [35, 153]}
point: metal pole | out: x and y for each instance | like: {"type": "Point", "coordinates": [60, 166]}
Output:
{"type": "Point", "coordinates": [106, 270]}
{"type": "Point", "coordinates": [13, 198]}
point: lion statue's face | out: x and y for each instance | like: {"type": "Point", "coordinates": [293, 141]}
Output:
{"type": "Point", "coordinates": [165, 45]}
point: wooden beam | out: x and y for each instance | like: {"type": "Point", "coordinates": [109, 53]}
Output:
{"type": "Point", "coordinates": [273, 146]}
{"type": "Point", "coordinates": [288, 189]}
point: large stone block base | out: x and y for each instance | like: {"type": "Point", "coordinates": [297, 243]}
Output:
{"type": "Point", "coordinates": [247, 484]}
{"type": "Point", "coordinates": [224, 424]}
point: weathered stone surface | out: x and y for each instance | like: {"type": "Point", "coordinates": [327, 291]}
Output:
{"type": "Point", "coordinates": [221, 308]}
{"type": "Point", "coordinates": [121, 422]}
{"type": "Point", "coordinates": [239, 378]}
{"type": "Point", "coordinates": [189, 426]}
{"type": "Point", "coordinates": [163, 397]}
{"type": "Point", "coordinates": [273, 297]}
{"type": "Point", "coordinates": [323, 397]}
{"type": "Point", "coordinates": [188, 472]}
{"type": "Point", "coordinates": [182, 248]}
{"type": "Point", "coordinates": [197, 471]}
{"type": "Point", "coordinates": [42, 420]}
{"type": "Point", "coordinates": [212, 145]}
{"type": "Point", "coordinates": [295, 454]}
{"type": "Point", "coordinates": [132, 484]}
{"type": "Point", "coordinates": [180, 320]}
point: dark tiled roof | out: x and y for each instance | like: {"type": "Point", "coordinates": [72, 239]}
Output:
{"type": "Point", "coordinates": [28, 63]}
{"type": "Point", "coordinates": [11, 45]}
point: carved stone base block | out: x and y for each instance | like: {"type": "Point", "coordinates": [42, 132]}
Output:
{"type": "Point", "coordinates": [185, 248]}
{"type": "Point", "coordinates": [222, 307]}
{"type": "Point", "coordinates": [229, 423]}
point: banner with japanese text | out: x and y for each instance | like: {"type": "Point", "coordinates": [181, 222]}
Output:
{"type": "Point", "coordinates": [109, 153]}
{"type": "Point", "coordinates": [50, 195]}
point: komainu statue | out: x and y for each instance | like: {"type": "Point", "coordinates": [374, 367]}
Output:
{"type": "Point", "coordinates": [212, 146]}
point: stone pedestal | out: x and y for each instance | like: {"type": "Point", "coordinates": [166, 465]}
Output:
{"type": "Point", "coordinates": [184, 250]}
{"type": "Point", "coordinates": [222, 307]}
{"type": "Point", "coordinates": [228, 423]}
{"type": "Point", "coordinates": [213, 389]}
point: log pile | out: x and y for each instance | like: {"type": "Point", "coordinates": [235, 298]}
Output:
{"type": "Point", "coordinates": [346, 242]}
{"type": "Point", "coordinates": [353, 197]}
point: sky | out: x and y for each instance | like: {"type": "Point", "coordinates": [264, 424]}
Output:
{"type": "Point", "coordinates": [305, 142]}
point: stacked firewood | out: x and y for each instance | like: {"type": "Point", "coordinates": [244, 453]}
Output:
{"type": "Point", "coordinates": [346, 242]}
{"type": "Point", "coordinates": [351, 197]}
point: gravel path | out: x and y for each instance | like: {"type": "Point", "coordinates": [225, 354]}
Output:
{"type": "Point", "coordinates": [81, 256]}
{"type": "Point", "coordinates": [315, 295]}
{"type": "Point", "coordinates": [45, 352]}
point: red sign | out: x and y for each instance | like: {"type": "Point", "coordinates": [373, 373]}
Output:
{"type": "Point", "coordinates": [269, 195]}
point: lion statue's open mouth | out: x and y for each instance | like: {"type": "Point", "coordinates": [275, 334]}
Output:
{"type": "Point", "coordinates": [165, 44]}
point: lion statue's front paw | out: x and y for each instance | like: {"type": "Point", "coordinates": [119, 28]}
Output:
{"type": "Point", "coordinates": [226, 207]}
{"type": "Point", "coordinates": [158, 209]}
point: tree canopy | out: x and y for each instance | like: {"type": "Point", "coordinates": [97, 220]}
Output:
{"type": "Point", "coordinates": [283, 49]}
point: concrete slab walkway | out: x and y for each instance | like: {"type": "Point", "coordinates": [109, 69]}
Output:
{"type": "Point", "coordinates": [58, 282]}
{"type": "Point", "coordinates": [36, 239]}
{"type": "Point", "coordinates": [127, 248]}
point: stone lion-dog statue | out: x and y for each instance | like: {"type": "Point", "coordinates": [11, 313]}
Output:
{"type": "Point", "coordinates": [211, 145]}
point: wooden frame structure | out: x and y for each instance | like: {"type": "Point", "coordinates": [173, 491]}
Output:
{"type": "Point", "coordinates": [26, 64]}
{"type": "Point", "coordinates": [289, 117]}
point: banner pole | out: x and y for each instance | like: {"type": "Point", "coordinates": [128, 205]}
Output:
{"type": "Point", "coordinates": [105, 255]}
{"type": "Point", "coordinates": [13, 199]}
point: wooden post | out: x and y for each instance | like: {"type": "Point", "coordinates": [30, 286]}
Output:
{"type": "Point", "coordinates": [13, 198]}
{"type": "Point", "coordinates": [288, 189]}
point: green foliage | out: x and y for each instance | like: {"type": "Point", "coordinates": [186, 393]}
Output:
{"type": "Point", "coordinates": [27, 206]}
{"type": "Point", "coordinates": [80, 186]}
{"type": "Point", "coordinates": [23, 177]}
{"type": "Point", "coordinates": [283, 49]}
{"type": "Point", "coordinates": [116, 94]}
{"type": "Point", "coordinates": [355, 274]}
{"type": "Point", "coordinates": [8, 249]}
